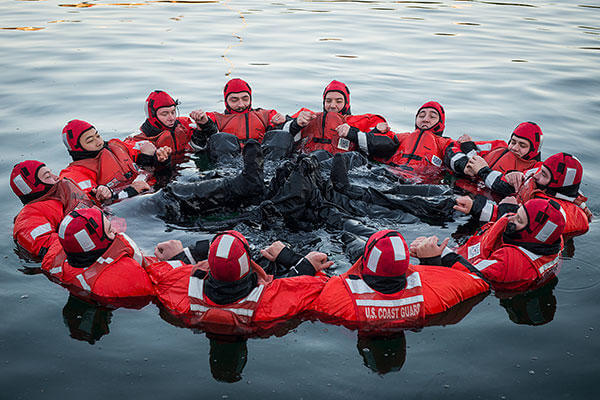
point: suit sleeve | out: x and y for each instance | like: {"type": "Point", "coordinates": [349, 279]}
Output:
{"type": "Point", "coordinates": [35, 229]}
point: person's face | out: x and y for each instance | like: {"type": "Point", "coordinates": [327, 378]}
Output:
{"type": "Point", "coordinates": [519, 219]}
{"type": "Point", "coordinates": [543, 176]}
{"type": "Point", "coordinates": [167, 116]}
{"type": "Point", "coordinates": [518, 146]}
{"type": "Point", "coordinates": [334, 102]}
{"type": "Point", "coordinates": [46, 176]}
{"type": "Point", "coordinates": [91, 140]}
{"type": "Point", "coordinates": [108, 229]}
{"type": "Point", "coordinates": [427, 118]}
{"type": "Point", "coordinates": [238, 102]}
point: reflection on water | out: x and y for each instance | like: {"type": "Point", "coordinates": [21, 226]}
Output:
{"type": "Point", "coordinates": [536, 307]}
{"type": "Point", "coordinates": [383, 354]}
{"type": "Point", "coordinates": [86, 321]}
{"type": "Point", "coordinates": [227, 357]}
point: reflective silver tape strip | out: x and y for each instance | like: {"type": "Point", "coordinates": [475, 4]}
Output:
{"type": "Point", "coordinates": [491, 178]}
{"type": "Point", "coordinates": [446, 251]}
{"type": "Point", "coordinates": [40, 230]}
{"type": "Point", "coordinates": [564, 214]}
{"type": "Point", "coordinates": [529, 254]}
{"type": "Point", "coordinates": [243, 261]}
{"type": "Point", "coordinates": [454, 159]}
{"type": "Point", "coordinates": [63, 226]}
{"type": "Point", "coordinates": [286, 126]}
{"type": "Point", "coordinates": [473, 153]}
{"type": "Point", "coordinates": [362, 142]}
{"type": "Point", "coordinates": [122, 195]}
{"type": "Point", "coordinates": [358, 286]}
{"type": "Point", "coordinates": [548, 265]}
{"type": "Point", "coordinates": [84, 240]}
{"type": "Point", "coordinates": [21, 184]}
{"type": "Point", "coordinates": [84, 284]}
{"type": "Point", "coordinates": [198, 307]}
{"type": "Point", "coordinates": [137, 253]}
{"type": "Point", "coordinates": [56, 270]}
{"type": "Point", "coordinates": [483, 264]}
{"type": "Point", "coordinates": [563, 197]}
{"type": "Point", "coordinates": [138, 145]}
{"type": "Point", "coordinates": [485, 146]}
{"type": "Point", "coordinates": [487, 211]}
{"type": "Point", "coordinates": [85, 184]}
{"type": "Point", "coordinates": [196, 288]}
{"type": "Point", "coordinates": [224, 246]}
{"type": "Point", "coordinates": [398, 246]}
{"type": "Point", "coordinates": [241, 311]}
{"type": "Point", "coordinates": [175, 263]}
{"type": "Point", "coordinates": [570, 176]}
{"type": "Point", "coordinates": [547, 230]}
{"type": "Point", "coordinates": [188, 254]}
{"type": "Point", "coordinates": [374, 259]}
{"type": "Point", "coordinates": [103, 260]}
{"type": "Point", "coordinates": [297, 137]}
{"type": "Point", "coordinates": [255, 293]}
{"type": "Point", "coordinates": [390, 303]}
{"type": "Point", "coordinates": [413, 280]}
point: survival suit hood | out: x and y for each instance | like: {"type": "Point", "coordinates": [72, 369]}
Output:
{"type": "Point", "coordinates": [545, 225]}
{"type": "Point", "coordinates": [229, 257]}
{"type": "Point", "coordinates": [340, 87]}
{"type": "Point", "coordinates": [531, 132]}
{"type": "Point", "coordinates": [26, 184]}
{"type": "Point", "coordinates": [82, 236]}
{"type": "Point", "coordinates": [158, 99]}
{"type": "Point", "coordinates": [566, 173]}
{"type": "Point", "coordinates": [438, 128]}
{"type": "Point", "coordinates": [236, 85]}
{"type": "Point", "coordinates": [71, 135]}
{"type": "Point", "coordinates": [385, 261]}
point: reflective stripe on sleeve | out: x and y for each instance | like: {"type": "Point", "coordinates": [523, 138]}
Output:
{"type": "Point", "coordinates": [40, 230]}
{"type": "Point", "coordinates": [196, 288]}
{"type": "Point", "coordinates": [83, 282]}
{"type": "Point", "coordinates": [83, 185]}
{"type": "Point", "coordinates": [483, 264]}
{"type": "Point", "coordinates": [487, 211]}
{"type": "Point", "coordinates": [455, 158]}
{"type": "Point", "coordinates": [491, 178]}
{"type": "Point", "coordinates": [548, 265]}
{"type": "Point", "coordinates": [56, 270]}
{"type": "Point", "coordinates": [362, 141]}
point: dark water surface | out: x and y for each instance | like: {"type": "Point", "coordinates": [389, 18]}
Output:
{"type": "Point", "coordinates": [491, 64]}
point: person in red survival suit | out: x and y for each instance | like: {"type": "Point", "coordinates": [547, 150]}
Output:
{"type": "Point", "coordinates": [421, 150]}
{"type": "Point", "coordinates": [110, 168]}
{"type": "Point", "coordinates": [90, 255]}
{"type": "Point", "coordinates": [516, 253]}
{"type": "Point", "coordinates": [239, 118]}
{"type": "Point", "coordinates": [47, 199]}
{"type": "Point", "coordinates": [558, 178]}
{"type": "Point", "coordinates": [230, 293]}
{"type": "Point", "coordinates": [162, 126]}
{"type": "Point", "coordinates": [327, 130]}
{"type": "Point", "coordinates": [522, 153]}
{"type": "Point", "coordinates": [382, 290]}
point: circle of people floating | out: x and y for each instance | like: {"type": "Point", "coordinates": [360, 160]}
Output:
{"type": "Point", "coordinates": [522, 208]}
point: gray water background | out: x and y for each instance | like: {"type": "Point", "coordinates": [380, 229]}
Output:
{"type": "Point", "coordinates": [491, 64]}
